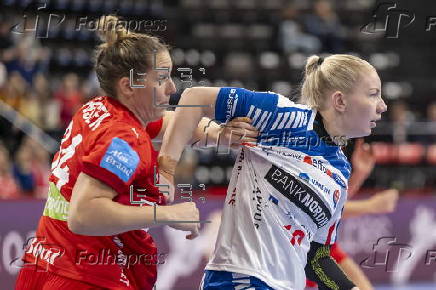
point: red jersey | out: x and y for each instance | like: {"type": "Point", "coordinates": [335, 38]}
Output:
{"type": "Point", "coordinates": [106, 141]}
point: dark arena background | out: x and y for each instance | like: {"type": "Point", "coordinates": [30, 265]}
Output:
{"type": "Point", "coordinates": [46, 74]}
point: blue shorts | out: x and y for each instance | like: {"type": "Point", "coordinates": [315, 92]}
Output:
{"type": "Point", "coordinates": [222, 280]}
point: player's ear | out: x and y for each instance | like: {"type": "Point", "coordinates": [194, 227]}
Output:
{"type": "Point", "coordinates": [124, 87]}
{"type": "Point", "coordinates": [338, 101]}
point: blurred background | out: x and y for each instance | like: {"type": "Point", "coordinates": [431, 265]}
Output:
{"type": "Point", "coordinates": [46, 51]}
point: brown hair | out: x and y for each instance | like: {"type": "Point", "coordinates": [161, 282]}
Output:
{"type": "Point", "coordinates": [336, 72]}
{"type": "Point", "coordinates": [122, 51]}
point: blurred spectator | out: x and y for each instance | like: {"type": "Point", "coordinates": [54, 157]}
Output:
{"type": "Point", "coordinates": [5, 35]}
{"type": "Point", "coordinates": [70, 98]}
{"type": "Point", "coordinates": [431, 119]}
{"type": "Point", "coordinates": [23, 170]}
{"type": "Point", "coordinates": [3, 75]}
{"type": "Point", "coordinates": [431, 112]}
{"type": "Point", "coordinates": [324, 24]}
{"type": "Point", "coordinates": [401, 118]}
{"type": "Point", "coordinates": [40, 167]}
{"type": "Point", "coordinates": [292, 38]}
{"type": "Point", "coordinates": [26, 58]}
{"type": "Point", "coordinates": [14, 90]}
{"type": "Point", "coordinates": [46, 111]}
{"type": "Point", "coordinates": [9, 188]}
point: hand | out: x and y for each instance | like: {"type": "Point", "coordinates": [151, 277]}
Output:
{"type": "Point", "coordinates": [185, 211]}
{"type": "Point", "coordinates": [166, 186]}
{"type": "Point", "coordinates": [238, 131]}
{"type": "Point", "coordinates": [384, 201]}
{"type": "Point", "coordinates": [363, 159]}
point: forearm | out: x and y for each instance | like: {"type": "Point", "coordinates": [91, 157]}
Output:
{"type": "Point", "coordinates": [206, 134]}
{"type": "Point", "coordinates": [104, 217]}
{"type": "Point", "coordinates": [355, 182]}
{"type": "Point", "coordinates": [322, 269]}
{"type": "Point", "coordinates": [355, 208]}
{"type": "Point", "coordinates": [181, 128]}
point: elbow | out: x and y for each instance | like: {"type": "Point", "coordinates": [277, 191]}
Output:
{"type": "Point", "coordinates": [75, 223]}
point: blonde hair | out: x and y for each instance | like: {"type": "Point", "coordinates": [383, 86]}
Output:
{"type": "Point", "coordinates": [338, 72]}
{"type": "Point", "coordinates": [122, 51]}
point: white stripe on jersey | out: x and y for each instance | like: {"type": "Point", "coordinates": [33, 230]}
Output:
{"type": "Point", "coordinates": [256, 115]}
{"type": "Point", "coordinates": [262, 119]}
{"type": "Point", "coordinates": [277, 121]}
{"type": "Point", "coordinates": [250, 111]}
{"type": "Point", "coordinates": [297, 119]}
{"type": "Point", "coordinates": [266, 122]}
{"type": "Point", "coordinates": [285, 118]}
{"type": "Point", "coordinates": [291, 119]}
{"type": "Point", "coordinates": [234, 105]}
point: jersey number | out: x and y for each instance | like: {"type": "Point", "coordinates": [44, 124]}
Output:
{"type": "Point", "coordinates": [297, 235]}
{"type": "Point", "coordinates": [59, 167]}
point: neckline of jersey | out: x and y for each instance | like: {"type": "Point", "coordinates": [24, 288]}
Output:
{"type": "Point", "coordinates": [319, 128]}
{"type": "Point", "coordinates": [117, 103]}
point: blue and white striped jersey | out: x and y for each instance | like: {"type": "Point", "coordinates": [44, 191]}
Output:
{"type": "Point", "coordinates": [285, 192]}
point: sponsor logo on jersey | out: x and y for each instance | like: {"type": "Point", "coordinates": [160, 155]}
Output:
{"type": "Point", "coordinates": [319, 164]}
{"type": "Point", "coordinates": [273, 199]}
{"type": "Point", "coordinates": [315, 182]}
{"type": "Point", "coordinates": [120, 159]}
{"type": "Point", "coordinates": [336, 196]}
{"type": "Point", "coordinates": [44, 251]}
{"type": "Point", "coordinates": [232, 100]}
{"type": "Point", "coordinates": [339, 180]}
{"type": "Point", "coordinates": [300, 194]}
{"type": "Point", "coordinates": [257, 197]}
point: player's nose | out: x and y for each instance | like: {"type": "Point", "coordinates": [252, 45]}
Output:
{"type": "Point", "coordinates": [171, 87]}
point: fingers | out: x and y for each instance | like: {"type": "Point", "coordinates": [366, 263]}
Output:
{"type": "Point", "coordinates": [241, 119]}
{"type": "Point", "coordinates": [194, 233]}
{"type": "Point", "coordinates": [359, 142]}
{"type": "Point", "coordinates": [388, 200]}
{"type": "Point", "coordinates": [391, 193]}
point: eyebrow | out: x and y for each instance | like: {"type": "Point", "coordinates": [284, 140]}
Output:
{"type": "Point", "coordinates": [378, 90]}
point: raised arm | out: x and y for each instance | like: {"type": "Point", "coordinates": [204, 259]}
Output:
{"type": "Point", "coordinates": [181, 128]}
{"type": "Point", "coordinates": [209, 133]}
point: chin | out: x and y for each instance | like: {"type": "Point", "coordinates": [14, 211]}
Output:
{"type": "Point", "coordinates": [361, 134]}
{"type": "Point", "coordinates": [367, 133]}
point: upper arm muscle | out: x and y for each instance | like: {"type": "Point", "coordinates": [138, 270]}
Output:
{"type": "Point", "coordinates": [86, 189]}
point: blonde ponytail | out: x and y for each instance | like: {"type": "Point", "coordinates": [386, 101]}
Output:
{"type": "Point", "coordinates": [337, 72]}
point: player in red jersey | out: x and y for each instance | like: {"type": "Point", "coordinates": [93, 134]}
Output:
{"type": "Point", "coordinates": [92, 232]}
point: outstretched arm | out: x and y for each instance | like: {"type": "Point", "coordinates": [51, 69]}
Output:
{"type": "Point", "coordinates": [181, 128]}
{"type": "Point", "coordinates": [381, 202]}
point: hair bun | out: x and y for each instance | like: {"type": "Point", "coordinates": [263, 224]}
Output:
{"type": "Point", "coordinates": [312, 63]}
{"type": "Point", "coordinates": [109, 30]}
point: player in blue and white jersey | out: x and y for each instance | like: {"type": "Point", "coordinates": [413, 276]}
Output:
{"type": "Point", "coordinates": [287, 191]}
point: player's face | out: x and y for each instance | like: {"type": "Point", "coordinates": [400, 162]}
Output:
{"type": "Point", "coordinates": [150, 101]}
{"type": "Point", "coordinates": [364, 105]}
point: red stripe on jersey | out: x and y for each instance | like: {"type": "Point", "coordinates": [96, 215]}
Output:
{"type": "Point", "coordinates": [329, 236]}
